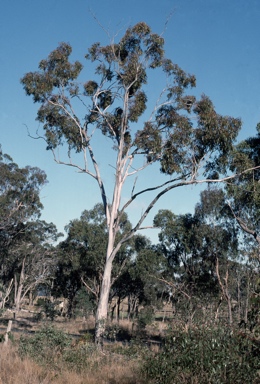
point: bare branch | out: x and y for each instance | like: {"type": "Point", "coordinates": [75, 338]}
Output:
{"type": "Point", "coordinates": [89, 288]}
{"type": "Point", "coordinates": [243, 225]}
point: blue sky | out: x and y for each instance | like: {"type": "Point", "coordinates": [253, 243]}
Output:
{"type": "Point", "coordinates": [217, 40]}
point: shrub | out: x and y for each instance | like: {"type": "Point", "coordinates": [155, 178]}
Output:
{"type": "Point", "coordinates": [145, 317]}
{"type": "Point", "coordinates": [81, 357]}
{"type": "Point", "coordinates": [45, 345]}
{"type": "Point", "coordinates": [205, 356]}
{"type": "Point", "coordinates": [55, 349]}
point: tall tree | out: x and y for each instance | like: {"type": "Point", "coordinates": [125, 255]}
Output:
{"type": "Point", "coordinates": [185, 136]}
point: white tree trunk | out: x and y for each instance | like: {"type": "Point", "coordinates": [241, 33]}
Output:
{"type": "Point", "coordinates": [4, 296]}
{"type": "Point", "coordinates": [102, 310]}
{"type": "Point", "coordinates": [8, 330]}
{"type": "Point", "coordinates": [19, 287]}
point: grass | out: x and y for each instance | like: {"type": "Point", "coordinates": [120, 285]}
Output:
{"type": "Point", "coordinates": [112, 366]}
{"type": "Point", "coordinates": [17, 370]}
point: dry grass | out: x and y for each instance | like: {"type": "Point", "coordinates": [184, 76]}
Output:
{"type": "Point", "coordinates": [108, 368]}
{"type": "Point", "coordinates": [14, 370]}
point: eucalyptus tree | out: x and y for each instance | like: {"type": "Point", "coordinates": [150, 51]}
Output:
{"type": "Point", "coordinates": [19, 196]}
{"type": "Point", "coordinates": [32, 259]}
{"type": "Point", "coordinates": [139, 282]}
{"type": "Point", "coordinates": [201, 249]}
{"type": "Point", "coordinates": [243, 194]}
{"type": "Point", "coordinates": [185, 137]}
{"type": "Point", "coordinates": [187, 243]}
{"type": "Point", "coordinates": [234, 209]}
{"type": "Point", "coordinates": [19, 203]}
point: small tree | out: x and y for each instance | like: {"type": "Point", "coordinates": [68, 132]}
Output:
{"type": "Point", "coordinates": [185, 136]}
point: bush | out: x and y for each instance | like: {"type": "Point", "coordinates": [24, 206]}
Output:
{"type": "Point", "coordinates": [45, 345]}
{"type": "Point", "coordinates": [80, 357]}
{"type": "Point", "coordinates": [145, 317]}
{"type": "Point", "coordinates": [205, 356]}
{"type": "Point", "coordinates": [55, 349]}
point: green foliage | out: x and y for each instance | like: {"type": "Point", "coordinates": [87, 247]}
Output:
{"type": "Point", "coordinates": [145, 317]}
{"type": "Point", "coordinates": [205, 355]}
{"type": "Point", "coordinates": [45, 345]}
{"type": "Point", "coordinates": [26, 251]}
{"type": "Point", "coordinates": [19, 193]}
{"type": "Point", "coordinates": [82, 257]}
{"type": "Point", "coordinates": [112, 332]}
{"type": "Point", "coordinates": [80, 358]}
{"type": "Point", "coordinates": [49, 309]}
{"type": "Point", "coordinates": [254, 313]}
{"type": "Point", "coordinates": [123, 70]}
{"type": "Point", "coordinates": [244, 191]}
{"type": "Point", "coordinates": [84, 306]}
{"type": "Point", "coordinates": [55, 349]}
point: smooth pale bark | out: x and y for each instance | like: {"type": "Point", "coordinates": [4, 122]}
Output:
{"type": "Point", "coordinates": [112, 247]}
{"type": "Point", "coordinates": [8, 330]}
{"type": "Point", "coordinates": [225, 290]}
{"type": "Point", "coordinates": [4, 296]}
{"type": "Point", "coordinates": [19, 286]}
{"type": "Point", "coordinates": [102, 310]}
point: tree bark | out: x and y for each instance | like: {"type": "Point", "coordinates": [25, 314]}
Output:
{"type": "Point", "coordinates": [102, 309]}
{"type": "Point", "coordinates": [19, 287]}
{"type": "Point", "coordinates": [4, 297]}
{"type": "Point", "coordinates": [225, 291]}
{"type": "Point", "coordinates": [8, 330]}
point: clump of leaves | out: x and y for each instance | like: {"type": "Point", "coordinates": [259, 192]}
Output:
{"type": "Point", "coordinates": [203, 355]}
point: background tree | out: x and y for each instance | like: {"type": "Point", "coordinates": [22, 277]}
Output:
{"type": "Point", "coordinates": [19, 197]}
{"type": "Point", "coordinates": [198, 248]}
{"type": "Point", "coordinates": [34, 259]}
{"type": "Point", "coordinates": [236, 207]}
{"type": "Point", "coordinates": [26, 254]}
{"type": "Point", "coordinates": [184, 136]}
{"type": "Point", "coordinates": [82, 256]}
{"type": "Point", "coordinates": [138, 283]}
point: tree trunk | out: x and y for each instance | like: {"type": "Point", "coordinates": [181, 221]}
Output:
{"type": "Point", "coordinates": [230, 316]}
{"type": "Point", "coordinates": [118, 309]}
{"type": "Point", "coordinates": [18, 297]}
{"type": "Point", "coordinates": [8, 330]}
{"type": "Point", "coordinates": [102, 309]}
{"type": "Point", "coordinates": [4, 296]}
{"type": "Point", "coordinates": [247, 300]}
{"type": "Point", "coordinates": [19, 287]}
